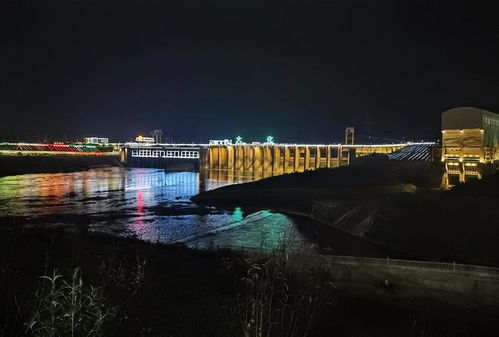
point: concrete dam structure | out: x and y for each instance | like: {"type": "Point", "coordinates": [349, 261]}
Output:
{"type": "Point", "coordinates": [287, 158]}
{"type": "Point", "coordinates": [265, 157]}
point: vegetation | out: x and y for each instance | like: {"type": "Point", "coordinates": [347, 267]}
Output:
{"type": "Point", "coordinates": [281, 297]}
{"type": "Point", "coordinates": [123, 287]}
{"type": "Point", "coordinates": [64, 308]}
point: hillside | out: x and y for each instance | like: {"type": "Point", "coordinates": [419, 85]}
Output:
{"type": "Point", "coordinates": [459, 225]}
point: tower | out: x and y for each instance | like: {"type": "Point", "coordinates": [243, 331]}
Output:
{"type": "Point", "coordinates": [349, 135]}
{"type": "Point", "coordinates": [157, 134]}
{"type": "Point", "coordinates": [344, 151]}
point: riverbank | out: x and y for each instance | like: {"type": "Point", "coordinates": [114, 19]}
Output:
{"type": "Point", "coordinates": [56, 163]}
{"type": "Point", "coordinates": [459, 225]}
{"type": "Point", "coordinates": [158, 290]}
{"type": "Point", "coordinates": [304, 190]}
{"type": "Point", "coordinates": [345, 198]}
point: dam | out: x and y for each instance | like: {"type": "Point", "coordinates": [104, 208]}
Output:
{"type": "Point", "coordinates": [257, 157]}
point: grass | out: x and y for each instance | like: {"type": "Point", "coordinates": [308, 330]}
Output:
{"type": "Point", "coordinates": [279, 298]}
{"type": "Point", "coordinates": [67, 308]}
{"type": "Point", "coordinates": [127, 288]}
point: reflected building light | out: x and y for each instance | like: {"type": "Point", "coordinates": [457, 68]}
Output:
{"type": "Point", "coordinates": [138, 224]}
{"type": "Point", "coordinates": [237, 215]}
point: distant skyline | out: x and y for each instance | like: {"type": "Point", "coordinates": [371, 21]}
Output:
{"type": "Point", "coordinates": [299, 71]}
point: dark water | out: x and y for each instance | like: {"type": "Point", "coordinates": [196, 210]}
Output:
{"type": "Point", "coordinates": [150, 204]}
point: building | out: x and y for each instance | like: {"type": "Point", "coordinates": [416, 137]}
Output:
{"type": "Point", "coordinates": [96, 140]}
{"type": "Point", "coordinates": [470, 144]}
{"type": "Point", "coordinates": [221, 142]}
{"type": "Point", "coordinates": [142, 139]}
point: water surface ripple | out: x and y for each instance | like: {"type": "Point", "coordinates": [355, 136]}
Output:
{"type": "Point", "coordinates": [150, 204]}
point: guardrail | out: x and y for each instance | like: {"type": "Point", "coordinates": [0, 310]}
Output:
{"type": "Point", "coordinates": [400, 264]}
{"type": "Point", "coordinates": [389, 263]}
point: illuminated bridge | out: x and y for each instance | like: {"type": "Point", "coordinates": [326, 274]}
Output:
{"type": "Point", "coordinates": [55, 148]}
{"type": "Point", "coordinates": [262, 157]}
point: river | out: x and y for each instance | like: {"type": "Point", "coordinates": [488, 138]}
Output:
{"type": "Point", "coordinates": [149, 204]}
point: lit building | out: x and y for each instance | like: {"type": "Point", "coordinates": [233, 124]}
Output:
{"type": "Point", "coordinates": [96, 140]}
{"type": "Point", "coordinates": [221, 142]}
{"type": "Point", "coordinates": [470, 144]}
{"type": "Point", "coordinates": [142, 139]}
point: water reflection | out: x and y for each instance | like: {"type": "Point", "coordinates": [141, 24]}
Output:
{"type": "Point", "coordinates": [139, 222]}
{"type": "Point", "coordinates": [262, 229]}
{"type": "Point", "coordinates": [148, 203]}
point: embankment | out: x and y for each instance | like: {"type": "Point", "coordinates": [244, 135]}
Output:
{"type": "Point", "coordinates": [308, 188]}
{"type": "Point", "coordinates": [346, 197]}
{"type": "Point", "coordinates": [56, 163]}
{"type": "Point", "coordinates": [460, 225]}
{"type": "Point", "coordinates": [168, 288]}
{"type": "Point", "coordinates": [410, 280]}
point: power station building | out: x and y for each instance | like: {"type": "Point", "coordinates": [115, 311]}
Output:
{"type": "Point", "coordinates": [470, 144]}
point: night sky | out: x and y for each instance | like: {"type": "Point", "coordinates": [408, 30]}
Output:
{"type": "Point", "coordinates": [300, 71]}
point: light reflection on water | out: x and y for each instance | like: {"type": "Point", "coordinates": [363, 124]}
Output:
{"type": "Point", "coordinates": [148, 203]}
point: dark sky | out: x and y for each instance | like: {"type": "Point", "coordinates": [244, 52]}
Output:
{"type": "Point", "coordinates": [300, 71]}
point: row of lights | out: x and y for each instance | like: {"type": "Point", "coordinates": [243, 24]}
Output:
{"type": "Point", "coordinates": [269, 140]}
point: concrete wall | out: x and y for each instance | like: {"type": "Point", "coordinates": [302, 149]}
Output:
{"type": "Point", "coordinates": [418, 283]}
{"type": "Point", "coordinates": [279, 159]}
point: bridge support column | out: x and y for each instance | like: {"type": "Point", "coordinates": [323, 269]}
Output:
{"type": "Point", "coordinates": [257, 158]}
{"type": "Point", "coordinates": [317, 157]}
{"type": "Point", "coordinates": [123, 155]}
{"type": "Point", "coordinates": [267, 159]}
{"type": "Point", "coordinates": [213, 153]}
{"type": "Point", "coordinates": [286, 158]}
{"type": "Point", "coordinates": [230, 157]}
{"type": "Point", "coordinates": [248, 158]}
{"type": "Point", "coordinates": [276, 159]}
{"type": "Point", "coordinates": [296, 158]}
{"type": "Point", "coordinates": [238, 157]}
{"type": "Point", "coordinates": [204, 158]}
{"type": "Point", "coordinates": [306, 164]}
{"type": "Point", "coordinates": [220, 157]}
{"type": "Point", "coordinates": [328, 157]}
